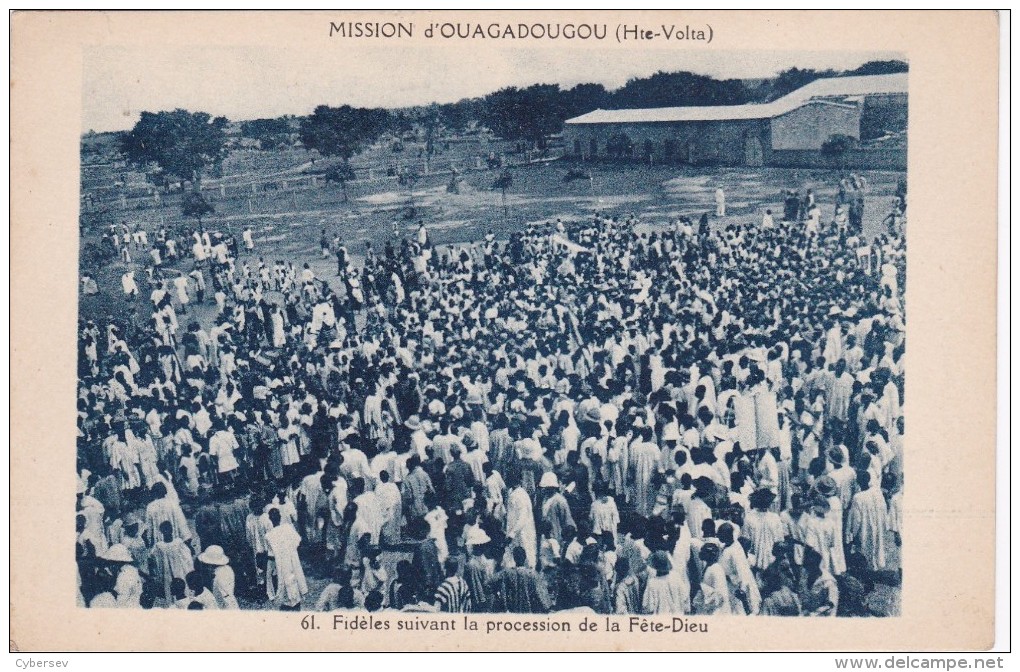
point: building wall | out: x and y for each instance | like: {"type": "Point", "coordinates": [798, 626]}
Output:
{"type": "Point", "coordinates": [793, 139]}
{"type": "Point", "coordinates": [696, 143]}
{"type": "Point", "coordinates": [884, 158]}
{"type": "Point", "coordinates": [808, 127]}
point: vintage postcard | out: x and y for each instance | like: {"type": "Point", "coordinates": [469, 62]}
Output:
{"type": "Point", "coordinates": [503, 330]}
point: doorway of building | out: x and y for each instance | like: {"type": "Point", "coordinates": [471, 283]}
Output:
{"type": "Point", "coordinates": [753, 153]}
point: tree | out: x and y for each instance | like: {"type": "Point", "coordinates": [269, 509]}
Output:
{"type": "Point", "coordinates": [503, 183]}
{"type": "Point", "coordinates": [341, 174]}
{"type": "Point", "coordinates": [456, 116]}
{"type": "Point", "coordinates": [342, 132]}
{"type": "Point", "coordinates": [525, 114]}
{"type": "Point", "coordinates": [584, 98]}
{"type": "Point", "coordinates": [679, 89]}
{"type": "Point", "coordinates": [792, 79]}
{"type": "Point", "coordinates": [430, 121]}
{"type": "Point", "coordinates": [880, 68]}
{"type": "Point", "coordinates": [180, 144]}
{"type": "Point", "coordinates": [195, 205]}
{"type": "Point", "coordinates": [409, 177]}
{"type": "Point", "coordinates": [270, 133]}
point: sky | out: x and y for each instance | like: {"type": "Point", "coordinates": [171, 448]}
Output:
{"type": "Point", "coordinates": [249, 83]}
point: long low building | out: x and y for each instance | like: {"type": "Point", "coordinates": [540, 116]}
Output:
{"type": "Point", "coordinates": [789, 131]}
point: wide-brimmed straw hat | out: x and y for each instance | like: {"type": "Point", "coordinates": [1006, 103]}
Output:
{"type": "Point", "coordinates": [476, 536]}
{"type": "Point", "coordinates": [549, 480]}
{"type": "Point", "coordinates": [117, 553]}
{"type": "Point", "coordinates": [214, 555]}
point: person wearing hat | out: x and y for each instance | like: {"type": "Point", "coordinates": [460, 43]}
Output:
{"type": "Point", "coordinates": [127, 587]}
{"type": "Point", "coordinates": [826, 490]}
{"type": "Point", "coordinates": [665, 591]}
{"type": "Point", "coordinates": [419, 440]}
{"type": "Point", "coordinates": [479, 568]}
{"type": "Point", "coordinates": [222, 576]}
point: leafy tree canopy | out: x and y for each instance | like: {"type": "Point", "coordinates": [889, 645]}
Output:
{"type": "Point", "coordinates": [525, 114]}
{"type": "Point", "coordinates": [270, 133]}
{"type": "Point", "coordinates": [181, 143]}
{"type": "Point", "coordinates": [342, 131]}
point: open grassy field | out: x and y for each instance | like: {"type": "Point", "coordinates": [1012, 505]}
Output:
{"type": "Point", "coordinates": [288, 217]}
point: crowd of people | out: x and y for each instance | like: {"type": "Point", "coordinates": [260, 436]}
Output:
{"type": "Point", "coordinates": [699, 418]}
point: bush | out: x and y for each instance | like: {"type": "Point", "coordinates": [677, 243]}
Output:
{"type": "Point", "coordinates": [837, 145]}
{"type": "Point", "coordinates": [195, 205]}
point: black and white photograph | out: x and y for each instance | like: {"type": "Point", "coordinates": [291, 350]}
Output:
{"type": "Point", "coordinates": [582, 334]}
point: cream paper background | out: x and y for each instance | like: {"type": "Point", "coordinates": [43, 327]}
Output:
{"type": "Point", "coordinates": [949, 535]}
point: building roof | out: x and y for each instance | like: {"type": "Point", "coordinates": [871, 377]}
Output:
{"type": "Point", "coordinates": [820, 88]}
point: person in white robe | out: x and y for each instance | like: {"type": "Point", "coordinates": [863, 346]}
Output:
{"type": "Point", "coordinates": [665, 591]}
{"type": "Point", "coordinates": [286, 585]}
{"type": "Point", "coordinates": [713, 594]}
{"type": "Point", "coordinates": [171, 558]}
{"type": "Point", "coordinates": [223, 576]}
{"type": "Point", "coordinates": [645, 457]}
{"type": "Point", "coordinates": [370, 514]}
{"type": "Point", "coordinates": [390, 508]}
{"type": "Point", "coordinates": [828, 491]}
{"type": "Point", "coordinates": [745, 420]}
{"type": "Point", "coordinates": [762, 528]}
{"type": "Point", "coordinates": [520, 523]}
{"type": "Point", "coordinates": [164, 509]}
{"type": "Point", "coordinates": [745, 596]}
{"type": "Point", "coordinates": [867, 522]}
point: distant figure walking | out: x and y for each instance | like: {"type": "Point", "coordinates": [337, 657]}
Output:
{"type": "Point", "coordinates": [720, 202]}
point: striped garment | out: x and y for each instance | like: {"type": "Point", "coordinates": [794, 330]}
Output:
{"type": "Point", "coordinates": [453, 595]}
